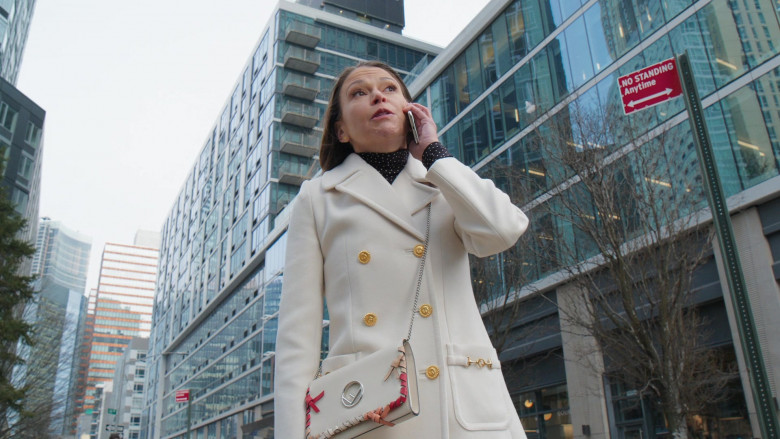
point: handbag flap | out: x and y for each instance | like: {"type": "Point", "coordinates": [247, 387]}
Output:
{"type": "Point", "coordinates": [349, 397]}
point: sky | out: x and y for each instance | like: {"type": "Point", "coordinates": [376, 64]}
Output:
{"type": "Point", "coordinates": [131, 91]}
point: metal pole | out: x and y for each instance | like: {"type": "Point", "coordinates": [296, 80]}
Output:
{"type": "Point", "coordinates": [751, 349]}
{"type": "Point", "coordinates": [189, 414]}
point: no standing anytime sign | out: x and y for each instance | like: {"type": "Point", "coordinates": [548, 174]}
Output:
{"type": "Point", "coordinates": [650, 86]}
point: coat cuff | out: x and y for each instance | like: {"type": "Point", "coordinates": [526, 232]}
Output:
{"type": "Point", "coordinates": [433, 152]}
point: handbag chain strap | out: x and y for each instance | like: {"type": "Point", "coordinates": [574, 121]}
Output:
{"type": "Point", "coordinates": [420, 273]}
{"type": "Point", "coordinates": [419, 283]}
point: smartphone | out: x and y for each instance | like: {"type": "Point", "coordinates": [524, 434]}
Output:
{"type": "Point", "coordinates": [414, 127]}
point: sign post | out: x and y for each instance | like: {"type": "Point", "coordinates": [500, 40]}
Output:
{"type": "Point", "coordinates": [746, 327]}
{"type": "Point", "coordinates": [649, 86]}
{"type": "Point", "coordinates": [184, 396]}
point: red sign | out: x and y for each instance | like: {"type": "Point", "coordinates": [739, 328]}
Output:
{"type": "Point", "coordinates": [182, 395]}
{"type": "Point", "coordinates": [650, 86]}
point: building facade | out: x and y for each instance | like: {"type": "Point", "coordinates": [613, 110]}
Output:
{"type": "Point", "coordinates": [123, 404]}
{"type": "Point", "coordinates": [521, 67]}
{"type": "Point", "coordinates": [218, 292]}
{"type": "Point", "coordinates": [15, 17]}
{"type": "Point", "coordinates": [122, 310]}
{"type": "Point", "coordinates": [60, 262]}
{"type": "Point", "coordinates": [21, 151]}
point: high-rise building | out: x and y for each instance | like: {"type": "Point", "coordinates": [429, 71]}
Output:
{"type": "Point", "coordinates": [122, 407]}
{"type": "Point", "coordinates": [522, 65]}
{"type": "Point", "coordinates": [220, 263]}
{"type": "Point", "coordinates": [21, 153]}
{"type": "Point", "coordinates": [15, 17]}
{"type": "Point", "coordinates": [60, 262]}
{"type": "Point", "coordinates": [122, 309]}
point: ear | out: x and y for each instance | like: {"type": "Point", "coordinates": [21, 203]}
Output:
{"type": "Point", "coordinates": [340, 133]}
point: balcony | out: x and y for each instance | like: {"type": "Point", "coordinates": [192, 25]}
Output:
{"type": "Point", "coordinates": [302, 144]}
{"type": "Point", "coordinates": [302, 60]}
{"type": "Point", "coordinates": [300, 86]}
{"type": "Point", "coordinates": [302, 115]}
{"type": "Point", "coordinates": [303, 34]}
{"type": "Point", "coordinates": [295, 173]}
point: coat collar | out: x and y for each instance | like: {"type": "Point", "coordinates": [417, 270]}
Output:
{"type": "Point", "coordinates": [408, 195]}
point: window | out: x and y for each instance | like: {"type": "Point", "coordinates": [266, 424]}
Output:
{"type": "Point", "coordinates": [33, 135]}
{"type": "Point", "coordinates": [5, 154]}
{"type": "Point", "coordinates": [20, 199]}
{"type": "Point", "coordinates": [26, 168]}
{"type": "Point", "coordinates": [7, 116]}
{"type": "Point", "coordinates": [544, 413]}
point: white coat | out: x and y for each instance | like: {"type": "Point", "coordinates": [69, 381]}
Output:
{"type": "Point", "coordinates": [350, 242]}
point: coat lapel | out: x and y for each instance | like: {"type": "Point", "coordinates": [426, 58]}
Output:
{"type": "Point", "coordinates": [398, 203]}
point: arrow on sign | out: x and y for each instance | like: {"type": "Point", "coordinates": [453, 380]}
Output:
{"type": "Point", "coordinates": [633, 103]}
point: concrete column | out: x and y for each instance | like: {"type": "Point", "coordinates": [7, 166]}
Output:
{"type": "Point", "coordinates": [755, 257]}
{"type": "Point", "coordinates": [584, 370]}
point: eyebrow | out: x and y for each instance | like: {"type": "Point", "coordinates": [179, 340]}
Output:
{"type": "Point", "coordinates": [362, 81]}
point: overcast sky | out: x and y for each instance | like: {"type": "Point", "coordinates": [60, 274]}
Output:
{"type": "Point", "coordinates": [132, 89]}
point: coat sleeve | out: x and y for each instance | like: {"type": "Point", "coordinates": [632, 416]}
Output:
{"type": "Point", "coordinates": [300, 319]}
{"type": "Point", "coordinates": [485, 218]}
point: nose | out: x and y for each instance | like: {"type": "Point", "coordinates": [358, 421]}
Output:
{"type": "Point", "coordinates": [378, 97]}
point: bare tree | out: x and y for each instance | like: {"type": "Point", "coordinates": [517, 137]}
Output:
{"type": "Point", "coordinates": [623, 223]}
{"type": "Point", "coordinates": [629, 234]}
{"type": "Point", "coordinates": [501, 282]}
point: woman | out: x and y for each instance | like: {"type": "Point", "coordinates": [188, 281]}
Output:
{"type": "Point", "coordinates": [354, 240]}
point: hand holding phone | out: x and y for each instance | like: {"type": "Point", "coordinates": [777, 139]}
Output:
{"type": "Point", "coordinates": [414, 127]}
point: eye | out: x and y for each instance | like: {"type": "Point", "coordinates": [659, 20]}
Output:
{"type": "Point", "coordinates": [358, 92]}
{"type": "Point", "coordinates": [391, 88]}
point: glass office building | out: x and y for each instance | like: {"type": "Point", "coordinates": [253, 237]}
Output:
{"type": "Point", "coordinates": [15, 17]}
{"type": "Point", "coordinates": [524, 63]}
{"type": "Point", "coordinates": [223, 242]}
{"type": "Point", "coordinates": [60, 262]}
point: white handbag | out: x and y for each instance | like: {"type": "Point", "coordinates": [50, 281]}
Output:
{"type": "Point", "coordinates": [373, 392]}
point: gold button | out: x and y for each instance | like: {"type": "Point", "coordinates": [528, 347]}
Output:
{"type": "Point", "coordinates": [419, 250]}
{"type": "Point", "coordinates": [426, 310]}
{"type": "Point", "coordinates": [364, 257]}
{"type": "Point", "coordinates": [432, 372]}
{"type": "Point", "coordinates": [369, 319]}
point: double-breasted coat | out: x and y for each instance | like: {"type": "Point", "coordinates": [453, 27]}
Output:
{"type": "Point", "coordinates": [351, 242]}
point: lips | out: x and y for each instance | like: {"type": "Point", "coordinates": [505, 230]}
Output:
{"type": "Point", "coordinates": [381, 112]}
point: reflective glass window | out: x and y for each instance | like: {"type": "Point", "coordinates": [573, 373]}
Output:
{"type": "Point", "coordinates": [749, 138]}
{"type": "Point", "coordinates": [579, 53]}
{"type": "Point", "coordinates": [461, 82]}
{"type": "Point", "coordinates": [569, 7]}
{"type": "Point", "coordinates": [650, 16]}
{"type": "Point", "coordinates": [687, 36]}
{"type": "Point", "coordinates": [767, 89]}
{"type": "Point", "coordinates": [475, 83]}
{"type": "Point", "coordinates": [488, 56]}
{"type": "Point", "coordinates": [727, 54]}
{"type": "Point", "coordinates": [600, 51]}
{"type": "Point", "coordinates": [560, 72]}
{"type": "Point", "coordinates": [443, 97]}
{"type": "Point", "coordinates": [500, 39]}
{"type": "Point", "coordinates": [524, 84]}
{"type": "Point", "coordinates": [673, 7]}
{"type": "Point", "coordinates": [515, 23]}
{"type": "Point", "coordinates": [509, 108]}
{"type": "Point", "coordinates": [620, 24]}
